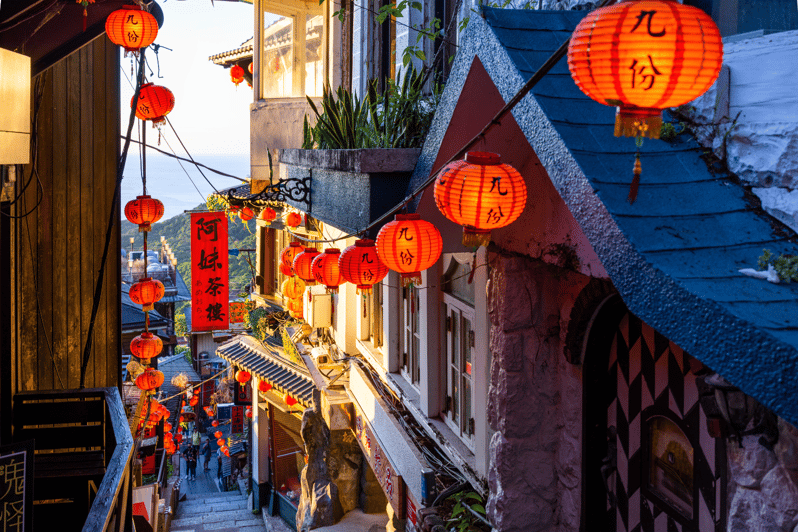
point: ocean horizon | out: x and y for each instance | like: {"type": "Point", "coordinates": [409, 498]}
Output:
{"type": "Point", "coordinates": [168, 182]}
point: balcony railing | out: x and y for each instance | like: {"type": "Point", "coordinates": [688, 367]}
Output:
{"type": "Point", "coordinates": [82, 465]}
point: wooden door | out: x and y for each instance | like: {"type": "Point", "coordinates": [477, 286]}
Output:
{"type": "Point", "coordinates": [658, 470]}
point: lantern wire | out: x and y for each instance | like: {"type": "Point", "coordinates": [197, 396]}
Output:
{"type": "Point", "coordinates": [189, 155]}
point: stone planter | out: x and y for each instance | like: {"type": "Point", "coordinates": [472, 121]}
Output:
{"type": "Point", "coordinates": [350, 188]}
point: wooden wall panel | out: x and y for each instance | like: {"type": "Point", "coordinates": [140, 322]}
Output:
{"type": "Point", "coordinates": [77, 157]}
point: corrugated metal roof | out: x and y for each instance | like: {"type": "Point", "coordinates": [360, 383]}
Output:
{"type": "Point", "coordinates": [675, 253]}
{"type": "Point", "coordinates": [247, 353]}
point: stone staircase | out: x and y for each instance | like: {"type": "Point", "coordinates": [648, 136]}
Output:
{"type": "Point", "coordinates": [221, 512]}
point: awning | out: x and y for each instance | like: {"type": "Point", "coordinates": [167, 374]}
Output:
{"type": "Point", "coordinates": [246, 352]}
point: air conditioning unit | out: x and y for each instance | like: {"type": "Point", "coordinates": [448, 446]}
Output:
{"type": "Point", "coordinates": [317, 307]}
{"type": "Point", "coordinates": [320, 355]}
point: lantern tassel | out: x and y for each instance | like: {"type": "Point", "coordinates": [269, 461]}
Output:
{"type": "Point", "coordinates": [473, 237]}
{"type": "Point", "coordinates": [638, 169]}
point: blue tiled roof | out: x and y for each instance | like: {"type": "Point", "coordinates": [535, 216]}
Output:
{"type": "Point", "coordinates": [132, 315]}
{"type": "Point", "coordinates": [674, 254]}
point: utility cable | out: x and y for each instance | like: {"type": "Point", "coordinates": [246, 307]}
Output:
{"type": "Point", "coordinates": [189, 155]}
{"type": "Point", "coordinates": [174, 156]}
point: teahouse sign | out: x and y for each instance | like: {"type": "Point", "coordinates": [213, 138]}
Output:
{"type": "Point", "coordinates": [209, 272]}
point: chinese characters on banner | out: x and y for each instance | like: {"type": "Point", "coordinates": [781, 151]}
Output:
{"type": "Point", "coordinates": [237, 420]}
{"type": "Point", "coordinates": [389, 479]}
{"type": "Point", "coordinates": [209, 279]}
{"type": "Point", "coordinates": [16, 487]}
{"type": "Point", "coordinates": [242, 393]}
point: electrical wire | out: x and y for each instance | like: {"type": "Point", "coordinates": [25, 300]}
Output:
{"type": "Point", "coordinates": [189, 155]}
{"type": "Point", "coordinates": [174, 156]}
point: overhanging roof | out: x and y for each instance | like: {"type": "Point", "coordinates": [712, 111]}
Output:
{"type": "Point", "coordinates": [247, 353]}
{"type": "Point", "coordinates": [674, 254]}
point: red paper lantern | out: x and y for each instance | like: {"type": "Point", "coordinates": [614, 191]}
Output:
{"type": "Point", "coordinates": [167, 428]}
{"type": "Point", "coordinates": [480, 194]}
{"type": "Point", "coordinates": [132, 28]}
{"type": "Point", "coordinates": [236, 74]}
{"type": "Point", "coordinates": [408, 245]}
{"type": "Point", "coordinates": [293, 219]}
{"type": "Point", "coordinates": [249, 414]}
{"type": "Point", "coordinates": [246, 214]}
{"type": "Point", "coordinates": [361, 266]}
{"type": "Point", "coordinates": [143, 211]}
{"type": "Point", "coordinates": [225, 450]}
{"type": "Point", "coordinates": [146, 346]}
{"type": "Point", "coordinates": [326, 271]}
{"type": "Point", "coordinates": [295, 308]}
{"type": "Point", "coordinates": [155, 102]}
{"type": "Point", "coordinates": [243, 376]}
{"type": "Point", "coordinates": [179, 437]}
{"type": "Point", "coordinates": [302, 265]}
{"type": "Point", "coordinates": [214, 423]}
{"type": "Point", "coordinates": [146, 293]}
{"type": "Point", "coordinates": [194, 401]}
{"type": "Point", "coordinates": [249, 67]}
{"type": "Point", "coordinates": [149, 380]}
{"type": "Point", "coordinates": [264, 386]}
{"type": "Point", "coordinates": [293, 287]}
{"type": "Point", "coordinates": [286, 269]}
{"type": "Point", "coordinates": [220, 442]}
{"type": "Point", "coordinates": [287, 255]}
{"type": "Point", "coordinates": [290, 401]}
{"type": "Point", "coordinates": [643, 57]}
{"type": "Point", "coordinates": [268, 215]}
{"type": "Point", "coordinates": [218, 434]}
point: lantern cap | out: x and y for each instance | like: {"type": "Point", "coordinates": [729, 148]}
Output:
{"type": "Point", "coordinates": [483, 157]}
{"type": "Point", "coordinates": [311, 250]}
{"type": "Point", "coordinates": [408, 216]}
{"type": "Point", "coordinates": [295, 244]}
{"type": "Point", "coordinates": [364, 243]}
{"type": "Point", "coordinates": [333, 251]}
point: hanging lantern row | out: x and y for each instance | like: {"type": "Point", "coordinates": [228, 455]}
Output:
{"type": "Point", "coordinates": [293, 287]}
{"type": "Point", "coordinates": [295, 309]}
{"type": "Point", "coordinates": [302, 264]}
{"type": "Point", "coordinates": [246, 214]}
{"type": "Point", "coordinates": [643, 57]}
{"type": "Point", "coordinates": [326, 271]}
{"type": "Point", "coordinates": [146, 346]}
{"type": "Point", "coordinates": [146, 292]}
{"type": "Point", "coordinates": [288, 254]}
{"type": "Point", "coordinates": [293, 219]}
{"type": "Point", "coordinates": [144, 211]}
{"type": "Point", "coordinates": [131, 28]}
{"type": "Point", "coordinates": [236, 74]}
{"type": "Point", "coordinates": [149, 380]}
{"type": "Point", "coordinates": [361, 266]}
{"type": "Point", "coordinates": [408, 245]}
{"type": "Point", "coordinates": [243, 376]}
{"type": "Point", "coordinates": [268, 215]}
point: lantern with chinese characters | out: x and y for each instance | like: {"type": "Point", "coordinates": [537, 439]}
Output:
{"type": "Point", "coordinates": [144, 211]}
{"type": "Point", "coordinates": [480, 193]}
{"type": "Point", "coordinates": [220, 442]}
{"type": "Point", "coordinates": [236, 74]}
{"type": "Point", "coordinates": [293, 219]}
{"type": "Point", "coordinates": [286, 269]}
{"type": "Point", "coordinates": [287, 255]}
{"type": "Point", "coordinates": [146, 346]}
{"type": "Point", "coordinates": [295, 308]}
{"type": "Point", "coordinates": [360, 265]}
{"type": "Point", "coordinates": [293, 288]}
{"type": "Point", "coordinates": [290, 401]}
{"type": "Point", "coordinates": [644, 56]}
{"type": "Point", "coordinates": [264, 386]}
{"type": "Point", "coordinates": [268, 214]}
{"type": "Point", "coordinates": [218, 434]}
{"type": "Point", "coordinates": [146, 293]}
{"type": "Point", "coordinates": [408, 245]}
{"type": "Point", "coordinates": [246, 214]}
{"type": "Point", "coordinates": [243, 376]}
{"type": "Point", "coordinates": [326, 271]}
{"type": "Point", "coordinates": [302, 265]}
{"type": "Point", "coordinates": [149, 380]}
{"type": "Point", "coordinates": [131, 28]}
{"type": "Point", "coordinates": [154, 103]}
{"type": "Point", "coordinates": [194, 401]}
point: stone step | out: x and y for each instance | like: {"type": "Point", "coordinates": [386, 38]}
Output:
{"type": "Point", "coordinates": [213, 505]}
{"type": "Point", "coordinates": [216, 520]}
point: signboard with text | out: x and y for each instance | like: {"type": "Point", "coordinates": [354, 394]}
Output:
{"type": "Point", "coordinates": [16, 486]}
{"type": "Point", "coordinates": [209, 272]}
{"type": "Point", "coordinates": [389, 479]}
{"type": "Point", "coordinates": [237, 420]}
{"type": "Point", "coordinates": [242, 393]}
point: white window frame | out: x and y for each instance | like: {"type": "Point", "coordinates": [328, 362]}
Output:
{"type": "Point", "coordinates": [457, 343]}
{"type": "Point", "coordinates": [410, 352]}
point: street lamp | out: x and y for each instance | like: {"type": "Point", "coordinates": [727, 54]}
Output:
{"type": "Point", "coordinates": [739, 409]}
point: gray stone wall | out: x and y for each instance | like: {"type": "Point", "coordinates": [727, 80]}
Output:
{"type": "Point", "coordinates": [535, 398]}
{"type": "Point", "coordinates": [763, 484]}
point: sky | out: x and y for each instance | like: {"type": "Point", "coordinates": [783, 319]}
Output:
{"type": "Point", "coordinates": [211, 115]}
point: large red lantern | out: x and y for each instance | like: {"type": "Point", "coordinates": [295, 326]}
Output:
{"type": "Point", "coordinates": [220, 442]}
{"type": "Point", "coordinates": [146, 292]}
{"type": "Point", "coordinates": [302, 265]}
{"type": "Point", "coordinates": [644, 56]}
{"type": "Point", "coordinates": [146, 346]}
{"type": "Point", "coordinates": [144, 211]}
{"type": "Point", "coordinates": [293, 287]}
{"type": "Point", "coordinates": [236, 74]}
{"type": "Point", "coordinates": [480, 193]}
{"type": "Point", "coordinates": [248, 413]}
{"type": "Point", "coordinates": [295, 308]}
{"type": "Point", "coordinates": [243, 376]}
{"type": "Point", "coordinates": [293, 219]}
{"type": "Point", "coordinates": [155, 102]}
{"type": "Point", "coordinates": [218, 434]}
{"type": "Point", "coordinates": [361, 266]}
{"type": "Point", "coordinates": [408, 245]}
{"type": "Point", "coordinates": [268, 214]}
{"type": "Point", "coordinates": [264, 386]}
{"type": "Point", "coordinates": [326, 271]}
{"type": "Point", "coordinates": [132, 28]}
{"type": "Point", "coordinates": [246, 214]}
{"type": "Point", "coordinates": [149, 380]}
{"type": "Point", "coordinates": [287, 255]}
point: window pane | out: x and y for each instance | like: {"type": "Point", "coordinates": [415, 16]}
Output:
{"type": "Point", "coordinates": [466, 405]}
{"type": "Point", "coordinates": [455, 376]}
{"type": "Point", "coordinates": [455, 355]}
{"type": "Point", "coordinates": [314, 55]}
{"type": "Point", "coordinates": [278, 57]}
{"type": "Point", "coordinates": [455, 282]}
{"type": "Point", "coordinates": [467, 346]}
{"type": "Point", "coordinates": [416, 374]}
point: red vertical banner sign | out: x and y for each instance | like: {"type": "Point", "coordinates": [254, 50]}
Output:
{"type": "Point", "coordinates": [209, 273]}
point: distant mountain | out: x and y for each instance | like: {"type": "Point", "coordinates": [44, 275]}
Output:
{"type": "Point", "coordinates": [176, 231]}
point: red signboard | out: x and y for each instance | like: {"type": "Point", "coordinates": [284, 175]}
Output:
{"type": "Point", "coordinates": [385, 471]}
{"type": "Point", "coordinates": [209, 274]}
{"type": "Point", "coordinates": [208, 388]}
{"type": "Point", "coordinates": [237, 311]}
{"type": "Point", "coordinates": [237, 420]}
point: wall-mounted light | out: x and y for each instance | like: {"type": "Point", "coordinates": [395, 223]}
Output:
{"type": "Point", "coordinates": [739, 410]}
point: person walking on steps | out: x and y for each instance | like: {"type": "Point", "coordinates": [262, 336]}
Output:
{"type": "Point", "coordinates": [205, 451]}
{"type": "Point", "coordinates": [190, 455]}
